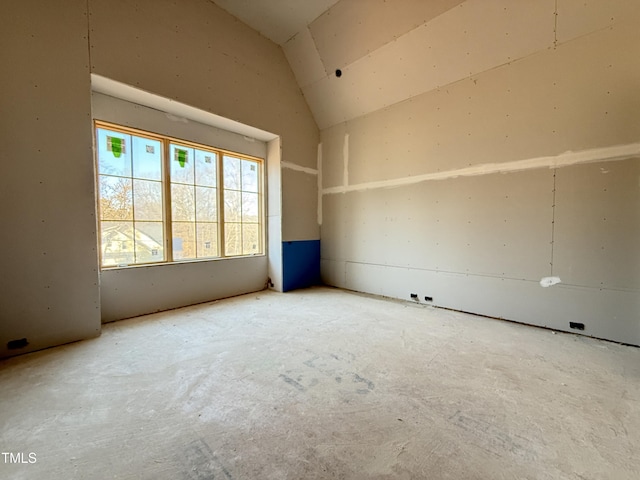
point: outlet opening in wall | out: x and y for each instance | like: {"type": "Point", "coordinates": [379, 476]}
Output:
{"type": "Point", "coordinates": [17, 344]}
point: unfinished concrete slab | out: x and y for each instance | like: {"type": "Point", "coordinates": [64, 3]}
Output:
{"type": "Point", "coordinates": [322, 383]}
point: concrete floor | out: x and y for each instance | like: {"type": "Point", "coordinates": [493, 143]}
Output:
{"type": "Point", "coordinates": [320, 384]}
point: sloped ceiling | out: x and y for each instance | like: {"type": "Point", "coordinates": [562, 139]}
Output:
{"type": "Point", "coordinates": [278, 20]}
{"type": "Point", "coordinates": [390, 51]}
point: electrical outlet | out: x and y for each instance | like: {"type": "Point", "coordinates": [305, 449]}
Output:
{"type": "Point", "coordinates": [576, 325]}
{"type": "Point", "coordinates": [428, 299]}
{"type": "Point", "coordinates": [414, 296]}
{"type": "Point", "coordinates": [16, 344]}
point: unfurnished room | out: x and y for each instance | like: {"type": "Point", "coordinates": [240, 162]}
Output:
{"type": "Point", "coordinates": [320, 239]}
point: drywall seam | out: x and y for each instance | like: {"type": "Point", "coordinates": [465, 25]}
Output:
{"type": "Point", "coordinates": [554, 44]}
{"type": "Point", "coordinates": [320, 183]}
{"type": "Point", "coordinates": [298, 168]}
{"type": "Point", "coordinates": [422, 269]}
{"type": "Point", "coordinates": [345, 157]}
{"type": "Point", "coordinates": [555, 25]}
{"type": "Point", "coordinates": [419, 77]}
{"type": "Point", "coordinates": [317, 53]}
{"type": "Point", "coordinates": [553, 222]}
{"type": "Point", "coordinates": [605, 154]}
{"type": "Point", "coordinates": [597, 30]}
{"type": "Point", "coordinates": [89, 37]}
{"type": "Point", "coordinates": [485, 275]}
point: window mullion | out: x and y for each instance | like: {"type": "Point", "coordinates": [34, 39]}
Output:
{"type": "Point", "coordinates": [166, 182]}
{"type": "Point", "coordinates": [220, 184]}
{"type": "Point", "coordinates": [262, 217]}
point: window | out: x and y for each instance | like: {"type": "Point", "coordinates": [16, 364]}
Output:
{"type": "Point", "coordinates": [158, 199]}
{"type": "Point", "coordinates": [241, 206]}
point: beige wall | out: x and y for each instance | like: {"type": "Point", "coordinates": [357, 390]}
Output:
{"type": "Point", "coordinates": [196, 53]}
{"type": "Point", "coordinates": [190, 51]}
{"type": "Point", "coordinates": [450, 193]}
{"type": "Point", "coordinates": [428, 45]}
{"type": "Point", "coordinates": [49, 282]}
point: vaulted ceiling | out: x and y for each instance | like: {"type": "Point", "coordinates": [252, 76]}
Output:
{"type": "Point", "coordinates": [278, 20]}
{"type": "Point", "coordinates": [390, 51]}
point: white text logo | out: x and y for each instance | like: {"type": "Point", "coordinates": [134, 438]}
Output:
{"type": "Point", "coordinates": [19, 457]}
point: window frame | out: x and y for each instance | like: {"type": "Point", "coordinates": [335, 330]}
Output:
{"type": "Point", "coordinates": [166, 182]}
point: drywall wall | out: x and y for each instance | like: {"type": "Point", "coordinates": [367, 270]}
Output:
{"type": "Point", "coordinates": [346, 32]}
{"type": "Point", "coordinates": [129, 114]}
{"type": "Point", "coordinates": [427, 45]}
{"type": "Point", "coordinates": [128, 292]}
{"type": "Point", "coordinates": [457, 225]}
{"type": "Point", "coordinates": [474, 191]}
{"type": "Point", "coordinates": [278, 24]}
{"type": "Point", "coordinates": [274, 214]}
{"type": "Point", "coordinates": [190, 51]}
{"type": "Point", "coordinates": [599, 205]}
{"type": "Point", "coordinates": [301, 250]}
{"type": "Point", "coordinates": [449, 47]}
{"type": "Point", "coordinates": [196, 53]}
{"type": "Point", "coordinates": [133, 291]}
{"type": "Point", "coordinates": [49, 283]}
{"type": "Point", "coordinates": [303, 185]}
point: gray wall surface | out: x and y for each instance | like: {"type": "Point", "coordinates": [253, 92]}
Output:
{"type": "Point", "coordinates": [473, 192]}
{"type": "Point", "coordinates": [49, 262]}
{"type": "Point", "coordinates": [196, 53]}
{"type": "Point", "coordinates": [122, 112]}
{"type": "Point", "coordinates": [128, 292]}
{"type": "Point", "coordinates": [190, 51]}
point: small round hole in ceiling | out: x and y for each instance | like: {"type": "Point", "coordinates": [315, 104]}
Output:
{"type": "Point", "coordinates": [338, 73]}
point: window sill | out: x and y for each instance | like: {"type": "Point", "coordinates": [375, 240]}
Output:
{"type": "Point", "coordinates": [179, 262]}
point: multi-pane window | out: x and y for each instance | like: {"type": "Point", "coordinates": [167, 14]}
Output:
{"type": "Point", "coordinates": [194, 202]}
{"type": "Point", "coordinates": [158, 199]}
{"type": "Point", "coordinates": [241, 206]}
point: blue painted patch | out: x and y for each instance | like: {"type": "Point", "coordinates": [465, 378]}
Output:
{"type": "Point", "coordinates": [300, 264]}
